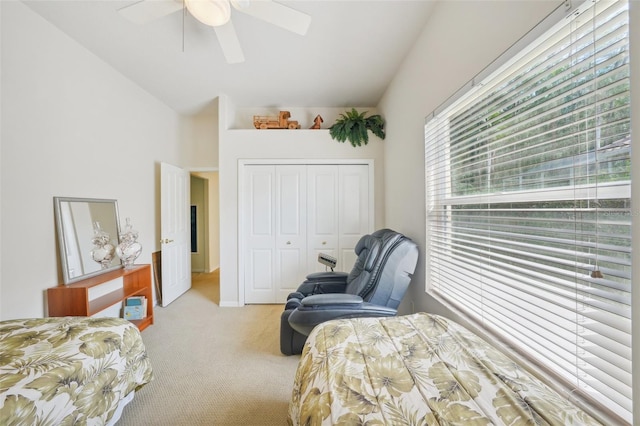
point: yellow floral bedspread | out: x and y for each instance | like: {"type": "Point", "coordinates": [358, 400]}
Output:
{"type": "Point", "coordinates": [418, 369]}
{"type": "Point", "coordinates": [68, 371]}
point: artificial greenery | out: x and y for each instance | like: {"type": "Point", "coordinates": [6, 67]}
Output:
{"type": "Point", "coordinates": [353, 126]}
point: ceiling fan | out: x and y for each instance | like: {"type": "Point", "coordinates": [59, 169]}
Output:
{"type": "Point", "coordinates": [217, 13]}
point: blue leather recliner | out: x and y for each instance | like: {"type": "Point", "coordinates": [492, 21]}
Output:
{"type": "Point", "coordinates": [374, 288]}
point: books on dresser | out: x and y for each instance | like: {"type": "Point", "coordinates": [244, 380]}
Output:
{"type": "Point", "coordinates": [136, 300]}
{"type": "Point", "coordinates": [135, 308]}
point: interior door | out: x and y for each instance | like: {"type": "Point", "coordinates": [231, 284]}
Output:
{"type": "Point", "coordinates": [291, 213]}
{"type": "Point", "coordinates": [291, 229]}
{"type": "Point", "coordinates": [354, 210]}
{"type": "Point", "coordinates": [322, 215]}
{"type": "Point", "coordinates": [259, 233]}
{"type": "Point", "coordinates": [175, 232]}
{"type": "Point", "coordinates": [274, 223]}
{"type": "Point", "coordinates": [339, 212]}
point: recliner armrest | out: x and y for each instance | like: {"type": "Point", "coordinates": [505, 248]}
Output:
{"type": "Point", "coordinates": [339, 299]}
{"type": "Point", "coordinates": [318, 286]}
{"type": "Point", "coordinates": [327, 276]}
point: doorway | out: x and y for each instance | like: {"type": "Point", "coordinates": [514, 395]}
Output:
{"type": "Point", "coordinates": [198, 216]}
{"type": "Point", "coordinates": [205, 233]}
{"type": "Point", "coordinates": [205, 208]}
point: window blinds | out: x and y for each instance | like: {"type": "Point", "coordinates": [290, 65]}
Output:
{"type": "Point", "coordinates": [528, 193]}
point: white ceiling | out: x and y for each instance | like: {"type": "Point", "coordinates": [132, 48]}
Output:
{"type": "Point", "coordinates": [347, 58]}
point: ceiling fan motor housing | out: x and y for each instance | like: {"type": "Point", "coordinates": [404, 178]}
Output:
{"type": "Point", "coordinates": [210, 12]}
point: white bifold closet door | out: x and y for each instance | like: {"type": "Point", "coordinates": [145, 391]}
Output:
{"type": "Point", "coordinates": [338, 212]}
{"type": "Point", "coordinates": [293, 212]}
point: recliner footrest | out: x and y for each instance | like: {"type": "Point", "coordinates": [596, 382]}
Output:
{"type": "Point", "coordinates": [291, 341]}
{"type": "Point", "coordinates": [306, 317]}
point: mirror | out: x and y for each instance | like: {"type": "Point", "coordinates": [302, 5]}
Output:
{"type": "Point", "coordinates": [87, 236]}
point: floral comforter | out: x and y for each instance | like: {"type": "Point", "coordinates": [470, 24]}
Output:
{"type": "Point", "coordinates": [418, 369]}
{"type": "Point", "coordinates": [68, 371]}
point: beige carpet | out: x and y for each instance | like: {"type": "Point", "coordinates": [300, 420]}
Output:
{"type": "Point", "coordinates": [212, 365]}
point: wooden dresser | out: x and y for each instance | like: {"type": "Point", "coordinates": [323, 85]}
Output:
{"type": "Point", "coordinates": [74, 299]}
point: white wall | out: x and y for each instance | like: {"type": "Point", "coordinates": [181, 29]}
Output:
{"type": "Point", "coordinates": [460, 39]}
{"type": "Point", "coordinates": [238, 144]}
{"type": "Point", "coordinates": [71, 126]}
{"type": "Point", "coordinates": [201, 151]}
{"type": "Point", "coordinates": [200, 138]}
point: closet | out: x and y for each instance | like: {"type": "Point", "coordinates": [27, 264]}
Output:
{"type": "Point", "coordinates": [290, 213]}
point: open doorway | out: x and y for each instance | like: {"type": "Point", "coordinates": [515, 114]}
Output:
{"type": "Point", "coordinates": [205, 229]}
{"type": "Point", "coordinates": [199, 223]}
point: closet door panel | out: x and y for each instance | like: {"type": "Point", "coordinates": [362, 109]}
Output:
{"type": "Point", "coordinates": [288, 273]}
{"type": "Point", "coordinates": [260, 273]}
{"type": "Point", "coordinates": [354, 210]}
{"type": "Point", "coordinates": [259, 227]}
{"type": "Point", "coordinates": [291, 229]}
{"type": "Point", "coordinates": [322, 214]}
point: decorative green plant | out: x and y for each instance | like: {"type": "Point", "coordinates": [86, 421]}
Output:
{"type": "Point", "coordinates": [353, 126]}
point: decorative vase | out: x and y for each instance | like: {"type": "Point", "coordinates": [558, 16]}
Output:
{"type": "Point", "coordinates": [103, 250]}
{"type": "Point", "coordinates": [129, 248]}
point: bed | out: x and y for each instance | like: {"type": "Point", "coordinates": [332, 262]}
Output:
{"type": "Point", "coordinates": [69, 370]}
{"type": "Point", "coordinates": [418, 369]}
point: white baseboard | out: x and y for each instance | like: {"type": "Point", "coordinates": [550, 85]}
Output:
{"type": "Point", "coordinates": [230, 304]}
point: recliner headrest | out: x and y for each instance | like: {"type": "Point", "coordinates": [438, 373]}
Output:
{"type": "Point", "coordinates": [372, 250]}
{"type": "Point", "coordinates": [372, 256]}
{"type": "Point", "coordinates": [363, 243]}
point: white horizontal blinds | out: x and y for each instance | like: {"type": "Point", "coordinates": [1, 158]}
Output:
{"type": "Point", "coordinates": [528, 191]}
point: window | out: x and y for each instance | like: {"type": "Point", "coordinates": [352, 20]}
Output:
{"type": "Point", "coordinates": [529, 203]}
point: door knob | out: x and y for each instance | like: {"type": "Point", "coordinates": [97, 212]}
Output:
{"type": "Point", "coordinates": [324, 243]}
{"type": "Point", "coordinates": [288, 242]}
{"type": "Point", "coordinates": [166, 241]}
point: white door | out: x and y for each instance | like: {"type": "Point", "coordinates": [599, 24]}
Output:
{"type": "Point", "coordinates": [354, 211]}
{"type": "Point", "coordinates": [175, 232]}
{"type": "Point", "coordinates": [290, 214]}
{"type": "Point", "coordinates": [274, 205]}
{"type": "Point", "coordinates": [291, 229]}
{"type": "Point", "coordinates": [340, 211]}
{"type": "Point", "coordinates": [258, 224]}
{"type": "Point", "coordinates": [322, 215]}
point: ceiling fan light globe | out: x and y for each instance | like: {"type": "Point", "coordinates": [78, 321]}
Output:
{"type": "Point", "coordinates": [210, 12]}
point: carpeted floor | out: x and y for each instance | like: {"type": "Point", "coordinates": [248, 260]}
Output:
{"type": "Point", "coordinates": [212, 365]}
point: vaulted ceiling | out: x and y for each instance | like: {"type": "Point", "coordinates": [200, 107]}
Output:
{"type": "Point", "coordinates": [350, 53]}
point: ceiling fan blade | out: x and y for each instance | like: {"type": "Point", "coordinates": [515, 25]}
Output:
{"type": "Point", "coordinates": [146, 11]}
{"type": "Point", "coordinates": [229, 43]}
{"type": "Point", "coordinates": [276, 14]}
